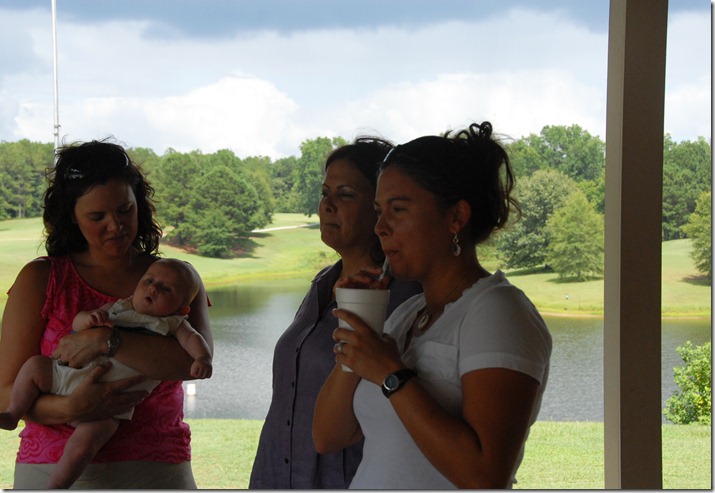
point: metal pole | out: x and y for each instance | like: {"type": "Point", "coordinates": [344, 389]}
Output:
{"type": "Point", "coordinates": [56, 131]}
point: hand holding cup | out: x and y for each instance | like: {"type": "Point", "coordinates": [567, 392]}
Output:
{"type": "Point", "coordinates": [368, 304]}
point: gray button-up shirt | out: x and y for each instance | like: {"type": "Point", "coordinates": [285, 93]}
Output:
{"type": "Point", "coordinates": [302, 360]}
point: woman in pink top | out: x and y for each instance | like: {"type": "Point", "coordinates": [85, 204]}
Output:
{"type": "Point", "coordinates": [100, 237]}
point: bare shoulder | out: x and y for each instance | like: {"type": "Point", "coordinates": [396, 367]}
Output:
{"type": "Point", "coordinates": [28, 293]}
{"type": "Point", "coordinates": [34, 274]}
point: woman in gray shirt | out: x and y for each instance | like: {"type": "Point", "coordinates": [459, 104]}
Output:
{"type": "Point", "coordinates": [303, 356]}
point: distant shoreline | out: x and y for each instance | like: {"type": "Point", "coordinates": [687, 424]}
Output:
{"type": "Point", "coordinates": [290, 250]}
{"type": "Point", "coordinates": [593, 315]}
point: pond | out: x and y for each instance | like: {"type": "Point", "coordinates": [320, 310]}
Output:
{"type": "Point", "coordinates": [247, 321]}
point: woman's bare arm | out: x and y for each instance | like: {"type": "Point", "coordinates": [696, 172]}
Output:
{"type": "Point", "coordinates": [334, 423]}
{"type": "Point", "coordinates": [22, 330]}
{"type": "Point", "coordinates": [22, 324]}
{"type": "Point", "coordinates": [480, 448]}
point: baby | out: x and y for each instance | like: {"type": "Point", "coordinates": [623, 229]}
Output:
{"type": "Point", "coordinates": [160, 304]}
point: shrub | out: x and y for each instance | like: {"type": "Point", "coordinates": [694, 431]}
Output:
{"type": "Point", "coordinates": [699, 229]}
{"type": "Point", "coordinates": [693, 402]}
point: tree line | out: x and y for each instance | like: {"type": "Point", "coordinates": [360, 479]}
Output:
{"type": "Point", "coordinates": [210, 203]}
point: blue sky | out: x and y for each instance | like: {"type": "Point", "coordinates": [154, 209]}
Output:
{"type": "Point", "coordinates": [261, 76]}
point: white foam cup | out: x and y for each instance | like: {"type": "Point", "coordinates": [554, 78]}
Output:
{"type": "Point", "coordinates": [368, 304]}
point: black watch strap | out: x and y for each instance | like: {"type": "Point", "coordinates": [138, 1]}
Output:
{"type": "Point", "coordinates": [113, 343]}
{"type": "Point", "coordinates": [394, 381]}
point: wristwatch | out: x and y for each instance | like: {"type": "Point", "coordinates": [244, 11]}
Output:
{"type": "Point", "coordinates": [394, 381]}
{"type": "Point", "coordinates": [113, 343]}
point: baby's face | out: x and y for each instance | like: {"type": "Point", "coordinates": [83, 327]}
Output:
{"type": "Point", "coordinates": [159, 293]}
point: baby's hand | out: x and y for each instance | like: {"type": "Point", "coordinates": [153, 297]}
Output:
{"type": "Point", "coordinates": [202, 368]}
{"type": "Point", "coordinates": [88, 320]}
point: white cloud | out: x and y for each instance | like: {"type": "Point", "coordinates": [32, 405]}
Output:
{"type": "Point", "coordinates": [687, 110]}
{"type": "Point", "coordinates": [265, 92]}
{"type": "Point", "coordinates": [688, 99]}
{"type": "Point", "coordinates": [33, 121]}
{"type": "Point", "coordinates": [455, 101]}
{"type": "Point", "coordinates": [242, 113]}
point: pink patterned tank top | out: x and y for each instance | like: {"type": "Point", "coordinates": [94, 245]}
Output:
{"type": "Point", "coordinates": [156, 433]}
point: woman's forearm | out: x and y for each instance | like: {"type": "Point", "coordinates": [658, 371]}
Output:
{"type": "Point", "coordinates": [163, 358]}
{"type": "Point", "coordinates": [478, 449]}
{"type": "Point", "coordinates": [334, 423]}
{"type": "Point", "coordinates": [448, 442]}
{"type": "Point", "coordinates": [51, 409]}
{"type": "Point", "coordinates": [157, 357]}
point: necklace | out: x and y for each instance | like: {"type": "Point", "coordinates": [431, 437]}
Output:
{"type": "Point", "coordinates": [424, 320]}
{"type": "Point", "coordinates": [426, 317]}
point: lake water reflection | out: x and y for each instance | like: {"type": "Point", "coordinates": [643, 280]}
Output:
{"type": "Point", "coordinates": [248, 320]}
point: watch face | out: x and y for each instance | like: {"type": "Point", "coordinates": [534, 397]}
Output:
{"type": "Point", "coordinates": [391, 382]}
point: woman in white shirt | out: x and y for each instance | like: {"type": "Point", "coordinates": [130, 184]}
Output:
{"type": "Point", "coordinates": [446, 398]}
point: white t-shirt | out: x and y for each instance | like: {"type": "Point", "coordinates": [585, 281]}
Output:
{"type": "Point", "coordinates": [492, 325]}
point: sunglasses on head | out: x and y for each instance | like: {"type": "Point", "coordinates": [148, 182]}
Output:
{"type": "Point", "coordinates": [429, 148]}
{"type": "Point", "coordinates": [87, 167]}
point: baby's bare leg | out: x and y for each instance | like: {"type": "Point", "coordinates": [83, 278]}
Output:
{"type": "Point", "coordinates": [34, 377]}
{"type": "Point", "coordinates": [81, 447]}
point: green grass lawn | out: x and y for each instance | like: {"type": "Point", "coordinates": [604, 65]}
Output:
{"type": "Point", "coordinates": [558, 455]}
{"type": "Point", "coordinates": [685, 293]}
{"type": "Point", "coordinates": [279, 254]}
{"type": "Point", "coordinates": [299, 253]}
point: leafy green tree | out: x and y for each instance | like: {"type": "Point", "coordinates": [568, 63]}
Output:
{"type": "Point", "coordinates": [571, 150]}
{"type": "Point", "coordinates": [281, 179]}
{"type": "Point", "coordinates": [576, 247]}
{"type": "Point", "coordinates": [692, 403]}
{"type": "Point", "coordinates": [253, 169]}
{"type": "Point", "coordinates": [173, 178]}
{"type": "Point", "coordinates": [595, 191]}
{"type": "Point", "coordinates": [5, 207]}
{"type": "Point", "coordinates": [686, 174]}
{"type": "Point", "coordinates": [308, 173]}
{"type": "Point", "coordinates": [144, 157]}
{"type": "Point", "coordinates": [525, 243]}
{"type": "Point", "coordinates": [525, 156]}
{"type": "Point", "coordinates": [22, 177]}
{"type": "Point", "coordinates": [223, 209]}
{"type": "Point", "coordinates": [211, 201]}
{"type": "Point", "coordinates": [258, 171]}
{"type": "Point", "coordinates": [213, 237]}
{"type": "Point", "coordinates": [699, 229]}
{"type": "Point", "coordinates": [257, 164]}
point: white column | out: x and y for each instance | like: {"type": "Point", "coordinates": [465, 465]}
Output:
{"type": "Point", "coordinates": [632, 282]}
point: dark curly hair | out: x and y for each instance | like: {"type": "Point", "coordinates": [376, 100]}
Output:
{"type": "Point", "coordinates": [79, 167]}
{"type": "Point", "coordinates": [467, 164]}
{"type": "Point", "coordinates": [365, 153]}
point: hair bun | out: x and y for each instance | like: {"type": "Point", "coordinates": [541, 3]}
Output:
{"type": "Point", "coordinates": [483, 131]}
{"type": "Point", "coordinates": [475, 133]}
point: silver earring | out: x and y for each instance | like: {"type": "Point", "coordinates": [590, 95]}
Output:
{"type": "Point", "coordinates": [456, 249]}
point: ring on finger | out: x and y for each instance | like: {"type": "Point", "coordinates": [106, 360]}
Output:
{"type": "Point", "coordinates": [62, 363]}
{"type": "Point", "coordinates": [339, 347]}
